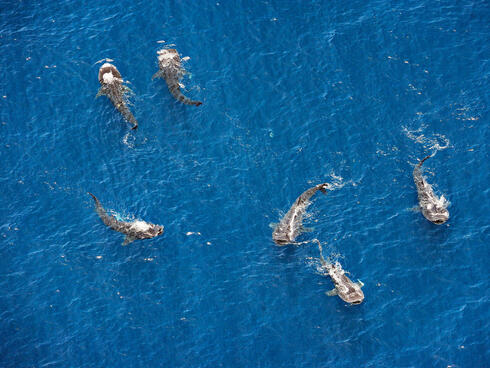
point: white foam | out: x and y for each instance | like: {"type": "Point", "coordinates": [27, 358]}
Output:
{"type": "Point", "coordinates": [437, 142]}
{"type": "Point", "coordinates": [141, 225]}
{"type": "Point", "coordinates": [165, 54]}
{"type": "Point", "coordinates": [108, 77]}
{"type": "Point", "coordinates": [126, 140]}
{"type": "Point", "coordinates": [442, 202]}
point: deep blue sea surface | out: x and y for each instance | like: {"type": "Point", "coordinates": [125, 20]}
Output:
{"type": "Point", "coordinates": [295, 93]}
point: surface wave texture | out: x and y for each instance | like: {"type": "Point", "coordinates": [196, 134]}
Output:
{"type": "Point", "coordinates": [295, 93]}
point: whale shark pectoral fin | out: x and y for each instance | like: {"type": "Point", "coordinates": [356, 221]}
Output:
{"type": "Point", "coordinates": [102, 91]}
{"type": "Point", "coordinates": [360, 283]}
{"type": "Point", "coordinates": [306, 229]}
{"type": "Point", "coordinates": [158, 74]}
{"type": "Point", "coordinates": [273, 225]}
{"type": "Point", "coordinates": [128, 90]}
{"type": "Point", "coordinates": [128, 239]}
{"type": "Point", "coordinates": [332, 292]}
{"type": "Point", "coordinates": [414, 209]}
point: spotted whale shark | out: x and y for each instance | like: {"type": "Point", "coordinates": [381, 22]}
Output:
{"type": "Point", "coordinates": [290, 226]}
{"type": "Point", "coordinates": [133, 230]}
{"type": "Point", "coordinates": [112, 86]}
{"type": "Point", "coordinates": [170, 65]}
{"type": "Point", "coordinates": [433, 208]}
{"type": "Point", "coordinates": [345, 289]}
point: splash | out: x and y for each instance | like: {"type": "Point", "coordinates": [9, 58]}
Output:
{"type": "Point", "coordinates": [103, 60]}
{"type": "Point", "coordinates": [338, 182]}
{"type": "Point", "coordinates": [437, 142]}
{"type": "Point", "coordinates": [119, 217]}
{"type": "Point", "coordinates": [129, 140]}
{"type": "Point", "coordinates": [321, 264]}
{"type": "Point", "coordinates": [443, 202]}
{"type": "Point", "coordinates": [108, 78]}
{"type": "Point", "coordinates": [141, 225]}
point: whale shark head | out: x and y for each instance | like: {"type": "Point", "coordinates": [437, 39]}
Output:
{"type": "Point", "coordinates": [167, 57]}
{"type": "Point", "coordinates": [282, 240]}
{"type": "Point", "coordinates": [355, 296]}
{"type": "Point", "coordinates": [156, 230]}
{"type": "Point", "coordinates": [108, 74]}
{"type": "Point", "coordinates": [347, 290]}
{"type": "Point", "coordinates": [145, 229]}
{"type": "Point", "coordinates": [437, 212]}
{"type": "Point", "coordinates": [280, 236]}
{"type": "Point", "coordinates": [438, 215]}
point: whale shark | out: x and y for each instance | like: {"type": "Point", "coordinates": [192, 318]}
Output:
{"type": "Point", "coordinates": [133, 230]}
{"type": "Point", "coordinates": [112, 86]}
{"type": "Point", "coordinates": [170, 65]}
{"type": "Point", "coordinates": [290, 226]}
{"type": "Point", "coordinates": [433, 208]}
{"type": "Point", "coordinates": [345, 289]}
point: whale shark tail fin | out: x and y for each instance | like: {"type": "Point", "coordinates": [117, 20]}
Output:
{"type": "Point", "coordinates": [323, 188]}
{"type": "Point", "coordinates": [423, 160]}
{"type": "Point", "coordinates": [97, 203]}
{"type": "Point", "coordinates": [174, 88]}
{"type": "Point", "coordinates": [94, 197]}
{"type": "Point", "coordinates": [322, 260]}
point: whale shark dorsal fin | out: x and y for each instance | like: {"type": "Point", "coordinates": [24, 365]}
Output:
{"type": "Point", "coordinates": [332, 292]}
{"type": "Point", "coordinates": [158, 74]}
{"type": "Point", "coordinates": [360, 283]}
{"type": "Point", "coordinates": [128, 239]}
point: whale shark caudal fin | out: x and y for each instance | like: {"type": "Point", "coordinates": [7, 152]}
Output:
{"type": "Point", "coordinates": [128, 239]}
{"type": "Point", "coordinates": [322, 260]}
{"type": "Point", "coordinates": [323, 188]}
{"type": "Point", "coordinates": [332, 292]}
{"type": "Point", "coordinates": [423, 160]}
{"type": "Point", "coordinates": [94, 197]}
{"type": "Point", "coordinates": [174, 88]}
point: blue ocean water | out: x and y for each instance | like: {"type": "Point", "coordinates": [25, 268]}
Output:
{"type": "Point", "coordinates": [295, 93]}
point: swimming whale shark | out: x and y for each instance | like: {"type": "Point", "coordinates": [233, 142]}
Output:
{"type": "Point", "coordinates": [133, 230]}
{"type": "Point", "coordinates": [171, 70]}
{"type": "Point", "coordinates": [434, 209]}
{"type": "Point", "coordinates": [112, 86]}
{"type": "Point", "coordinates": [347, 290]}
{"type": "Point", "coordinates": [290, 226]}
